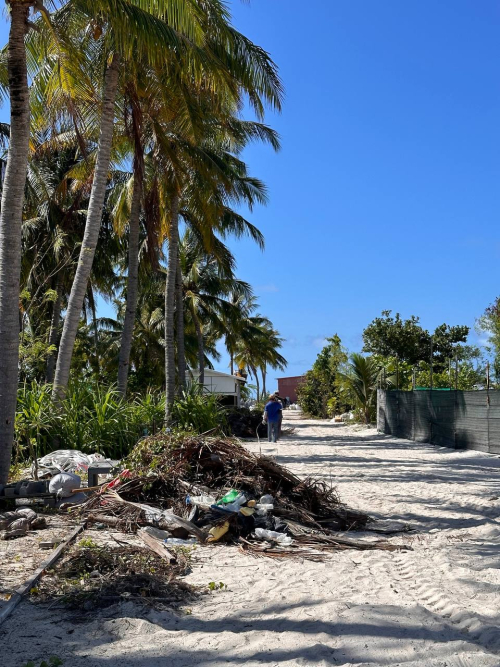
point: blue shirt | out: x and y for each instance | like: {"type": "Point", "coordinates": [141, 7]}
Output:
{"type": "Point", "coordinates": [273, 408]}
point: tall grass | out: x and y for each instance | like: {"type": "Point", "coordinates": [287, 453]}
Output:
{"type": "Point", "coordinates": [91, 418]}
{"type": "Point", "coordinates": [198, 411]}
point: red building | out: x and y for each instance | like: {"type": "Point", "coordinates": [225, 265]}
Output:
{"type": "Point", "coordinates": [287, 387]}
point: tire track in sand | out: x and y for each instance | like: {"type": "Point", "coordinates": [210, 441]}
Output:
{"type": "Point", "coordinates": [412, 575]}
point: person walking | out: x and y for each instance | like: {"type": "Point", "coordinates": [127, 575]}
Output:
{"type": "Point", "coordinates": [282, 401]}
{"type": "Point", "coordinates": [272, 415]}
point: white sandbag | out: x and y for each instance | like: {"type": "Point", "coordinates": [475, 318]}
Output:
{"type": "Point", "coordinates": [63, 483]}
{"type": "Point", "coordinates": [75, 499]}
{"type": "Point", "coordinates": [66, 460]}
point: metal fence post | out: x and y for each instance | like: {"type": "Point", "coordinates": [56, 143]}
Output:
{"type": "Point", "coordinates": [432, 365]}
{"type": "Point", "coordinates": [413, 417]}
{"type": "Point", "coordinates": [488, 403]}
{"type": "Point", "coordinates": [455, 418]}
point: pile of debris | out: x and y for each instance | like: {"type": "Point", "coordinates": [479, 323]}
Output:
{"type": "Point", "coordinates": [18, 522]}
{"type": "Point", "coordinates": [90, 576]}
{"type": "Point", "coordinates": [247, 423]}
{"type": "Point", "coordinates": [205, 489]}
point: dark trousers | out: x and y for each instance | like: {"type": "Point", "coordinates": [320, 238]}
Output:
{"type": "Point", "coordinates": [273, 430]}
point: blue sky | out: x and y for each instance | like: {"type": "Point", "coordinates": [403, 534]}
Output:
{"type": "Point", "coordinates": [385, 194]}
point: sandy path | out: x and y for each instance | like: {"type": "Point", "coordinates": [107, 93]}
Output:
{"type": "Point", "coordinates": [436, 605]}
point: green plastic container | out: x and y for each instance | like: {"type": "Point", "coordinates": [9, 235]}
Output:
{"type": "Point", "coordinates": [229, 497]}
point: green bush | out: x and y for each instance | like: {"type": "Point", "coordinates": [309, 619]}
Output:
{"type": "Point", "coordinates": [195, 410]}
{"type": "Point", "coordinates": [91, 418]}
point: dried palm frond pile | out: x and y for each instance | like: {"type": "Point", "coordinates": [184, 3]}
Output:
{"type": "Point", "coordinates": [169, 472]}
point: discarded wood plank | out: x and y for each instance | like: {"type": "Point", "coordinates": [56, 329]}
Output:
{"type": "Point", "coordinates": [18, 595]}
{"type": "Point", "coordinates": [157, 533]}
{"type": "Point", "coordinates": [155, 545]}
{"type": "Point", "coordinates": [161, 518]}
{"type": "Point", "coordinates": [88, 488]}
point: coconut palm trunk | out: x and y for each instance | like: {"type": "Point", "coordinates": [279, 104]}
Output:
{"type": "Point", "coordinates": [10, 228]}
{"type": "Point", "coordinates": [95, 329]}
{"type": "Point", "coordinates": [201, 348]}
{"type": "Point", "coordinates": [173, 251]}
{"type": "Point", "coordinates": [264, 375]}
{"type": "Point", "coordinates": [54, 332]}
{"type": "Point", "coordinates": [256, 376]}
{"type": "Point", "coordinates": [179, 309]}
{"type": "Point", "coordinates": [132, 284]}
{"type": "Point", "coordinates": [91, 235]}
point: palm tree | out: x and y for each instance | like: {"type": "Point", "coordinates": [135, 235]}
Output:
{"type": "Point", "coordinates": [10, 226]}
{"type": "Point", "coordinates": [207, 287]}
{"type": "Point", "coordinates": [56, 198]}
{"type": "Point", "coordinates": [214, 179]}
{"type": "Point", "coordinates": [135, 132]}
{"type": "Point", "coordinates": [256, 345]}
{"type": "Point", "coordinates": [141, 31]}
{"type": "Point", "coordinates": [271, 342]}
{"type": "Point", "coordinates": [359, 384]}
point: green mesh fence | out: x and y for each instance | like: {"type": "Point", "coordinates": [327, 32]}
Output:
{"type": "Point", "coordinates": [458, 419]}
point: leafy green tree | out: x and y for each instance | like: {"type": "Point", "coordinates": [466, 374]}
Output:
{"type": "Point", "coordinates": [489, 324]}
{"type": "Point", "coordinates": [446, 342]}
{"type": "Point", "coordinates": [312, 397]}
{"type": "Point", "coordinates": [469, 376]}
{"type": "Point", "coordinates": [319, 393]}
{"type": "Point", "coordinates": [407, 341]}
{"type": "Point", "coordinates": [389, 336]}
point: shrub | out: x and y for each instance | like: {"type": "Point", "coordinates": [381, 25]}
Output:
{"type": "Point", "coordinates": [195, 410]}
{"type": "Point", "coordinates": [91, 418]}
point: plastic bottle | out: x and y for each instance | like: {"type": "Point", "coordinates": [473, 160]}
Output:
{"type": "Point", "coordinates": [236, 504]}
{"type": "Point", "coordinates": [266, 500]}
{"type": "Point", "coordinates": [176, 541]}
{"type": "Point", "coordinates": [264, 508]}
{"type": "Point", "coordinates": [272, 536]}
{"type": "Point", "coordinates": [202, 501]}
{"type": "Point", "coordinates": [229, 497]}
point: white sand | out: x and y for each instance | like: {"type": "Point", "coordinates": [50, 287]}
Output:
{"type": "Point", "coordinates": [437, 605]}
